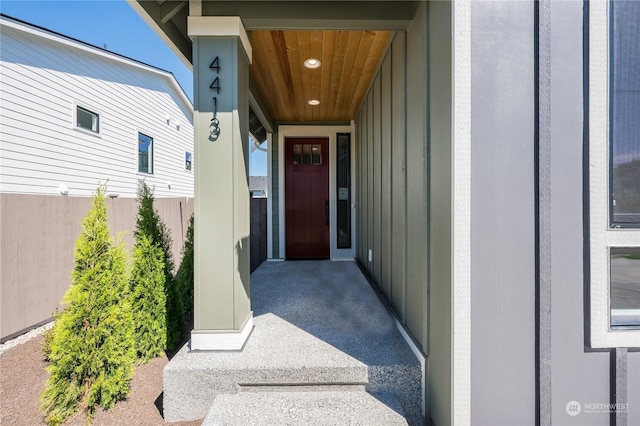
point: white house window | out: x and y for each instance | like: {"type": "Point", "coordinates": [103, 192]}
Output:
{"type": "Point", "coordinates": [625, 112]}
{"type": "Point", "coordinates": [624, 273]}
{"type": "Point", "coordinates": [87, 120]}
{"type": "Point", "coordinates": [187, 160]}
{"type": "Point", "coordinates": [145, 153]}
{"type": "Point", "coordinates": [614, 173]}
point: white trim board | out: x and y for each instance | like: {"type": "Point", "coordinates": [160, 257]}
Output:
{"type": "Point", "coordinates": [202, 340]}
{"type": "Point", "coordinates": [418, 354]}
{"type": "Point", "coordinates": [461, 215]}
{"type": "Point", "coordinates": [270, 196]}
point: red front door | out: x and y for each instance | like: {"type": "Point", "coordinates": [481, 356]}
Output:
{"type": "Point", "coordinates": [307, 198]}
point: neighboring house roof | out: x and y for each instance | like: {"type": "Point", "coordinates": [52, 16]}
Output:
{"type": "Point", "coordinates": [79, 44]}
{"type": "Point", "coordinates": [257, 183]}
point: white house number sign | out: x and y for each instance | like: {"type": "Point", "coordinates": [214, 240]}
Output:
{"type": "Point", "coordinates": [214, 126]}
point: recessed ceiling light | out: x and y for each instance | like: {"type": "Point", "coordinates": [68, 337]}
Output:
{"type": "Point", "coordinates": [312, 63]}
{"type": "Point", "coordinates": [314, 102]}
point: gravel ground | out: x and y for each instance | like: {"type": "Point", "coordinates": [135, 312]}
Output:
{"type": "Point", "coordinates": [22, 379]}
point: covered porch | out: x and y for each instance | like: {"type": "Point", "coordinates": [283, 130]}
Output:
{"type": "Point", "coordinates": [361, 156]}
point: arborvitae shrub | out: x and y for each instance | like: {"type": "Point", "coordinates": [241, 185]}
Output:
{"type": "Point", "coordinates": [184, 277]}
{"type": "Point", "coordinates": [148, 299]}
{"type": "Point", "coordinates": [47, 337]}
{"type": "Point", "coordinates": [91, 348]}
{"type": "Point", "coordinates": [150, 224]}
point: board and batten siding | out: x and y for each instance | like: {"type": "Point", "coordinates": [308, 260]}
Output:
{"type": "Point", "coordinates": [372, 192]}
{"type": "Point", "coordinates": [403, 166]}
{"type": "Point", "coordinates": [43, 78]}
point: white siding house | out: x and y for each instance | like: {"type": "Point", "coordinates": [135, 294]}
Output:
{"type": "Point", "coordinates": [71, 116]}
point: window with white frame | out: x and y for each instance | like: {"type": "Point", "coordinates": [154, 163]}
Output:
{"type": "Point", "coordinates": [187, 160]}
{"type": "Point", "coordinates": [87, 120]}
{"type": "Point", "coordinates": [614, 172]}
{"type": "Point", "coordinates": [145, 153]}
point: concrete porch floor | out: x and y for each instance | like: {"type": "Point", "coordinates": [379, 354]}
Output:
{"type": "Point", "coordinates": [318, 327]}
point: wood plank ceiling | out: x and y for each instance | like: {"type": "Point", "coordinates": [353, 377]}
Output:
{"type": "Point", "coordinates": [349, 59]}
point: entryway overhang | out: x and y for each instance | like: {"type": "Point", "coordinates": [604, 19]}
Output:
{"type": "Point", "coordinates": [169, 17]}
{"type": "Point", "coordinates": [348, 37]}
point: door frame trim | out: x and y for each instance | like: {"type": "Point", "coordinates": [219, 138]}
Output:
{"type": "Point", "coordinates": [329, 132]}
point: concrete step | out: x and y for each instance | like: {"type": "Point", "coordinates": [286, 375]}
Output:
{"type": "Point", "coordinates": [276, 354]}
{"type": "Point", "coordinates": [318, 325]}
{"type": "Point", "coordinates": [305, 407]}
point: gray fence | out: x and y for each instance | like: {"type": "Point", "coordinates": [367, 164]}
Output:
{"type": "Point", "coordinates": [258, 232]}
{"type": "Point", "coordinates": [36, 249]}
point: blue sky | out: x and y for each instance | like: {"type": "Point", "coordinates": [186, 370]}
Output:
{"type": "Point", "coordinates": [113, 23]}
{"type": "Point", "coordinates": [116, 24]}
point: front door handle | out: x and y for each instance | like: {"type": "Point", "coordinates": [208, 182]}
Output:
{"type": "Point", "coordinates": [326, 211]}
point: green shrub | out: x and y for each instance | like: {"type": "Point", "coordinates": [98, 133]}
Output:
{"type": "Point", "coordinates": [150, 224]}
{"type": "Point", "coordinates": [148, 299]}
{"type": "Point", "coordinates": [91, 348]}
{"type": "Point", "coordinates": [47, 337]}
{"type": "Point", "coordinates": [175, 317]}
{"type": "Point", "coordinates": [184, 277]}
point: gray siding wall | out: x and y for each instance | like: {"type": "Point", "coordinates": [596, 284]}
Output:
{"type": "Point", "coordinates": [397, 294]}
{"type": "Point", "coordinates": [504, 222]}
{"type": "Point", "coordinates": [381, 183]}
{"type": "Point", "coordinates": [633, 387]}
{"type": "Point", "coordinates": [417, 171]}
{"type": "Point", "coordinates": [439, 214]}
{"type": "Point", "coordinates": [576, 373]}
{"type": "Point", "coordinates": [404, 189]}
{"type": "Point", "coordinates": [503, 213]}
